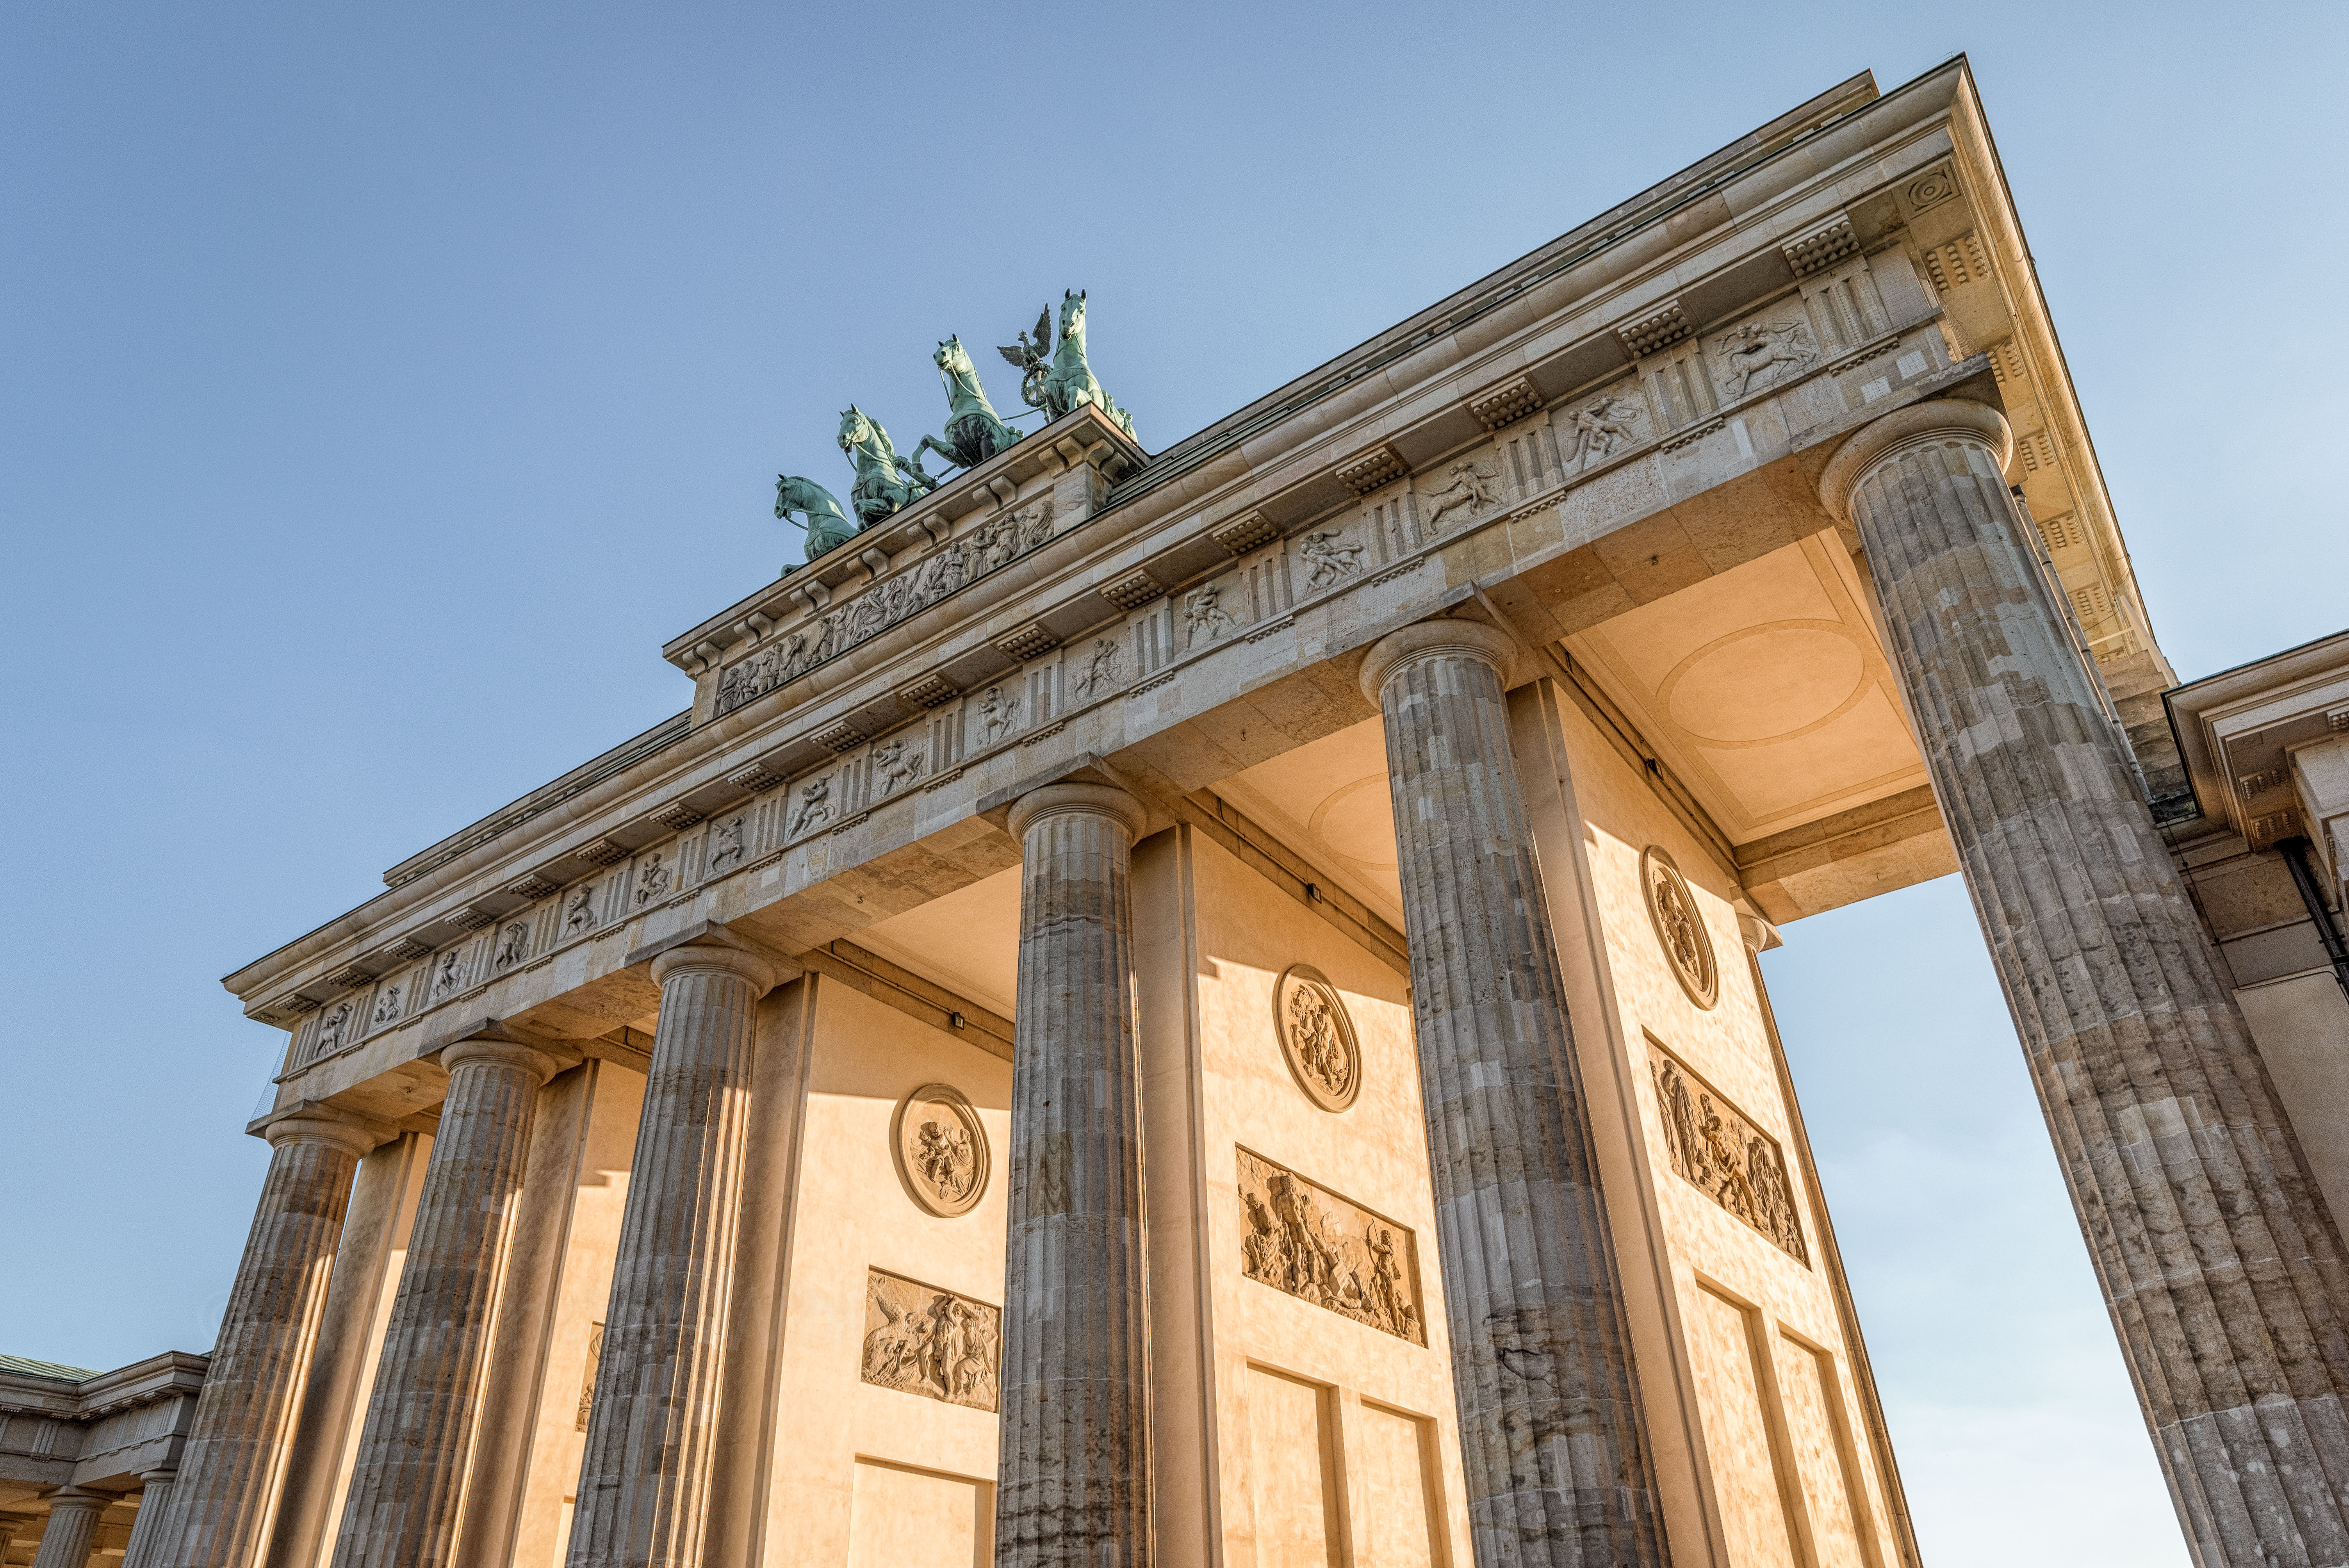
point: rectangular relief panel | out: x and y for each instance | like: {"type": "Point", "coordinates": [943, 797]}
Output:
{"type": "Point", "coordinates": [1396, 1474]}
{"type": "Point", "coordinates": [899, 1517]}
{"type": "Point", "coordinates": [1308, 1241]}
{"type": "Point", "coordinates": [920, 1339]}
{"type": "Point", "coordinates": [1293, 1471]}
{"type": "Point", "coordinates": [1715, 1147]}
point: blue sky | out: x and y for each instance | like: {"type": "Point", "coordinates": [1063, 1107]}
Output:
{"type": "Point", "coordinates": [381, 386]}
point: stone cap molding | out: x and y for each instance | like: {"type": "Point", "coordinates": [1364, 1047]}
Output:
{"type": "Point", "coordinates": [707, 944]}
{"type": "Point", "coordinates": [1873, 443]}
{"type": "Point", "coordinates": [1437, 639]}
{"type": "Point", "coordinates": [316, 1121]}
{"type": "Point", "coordinates": [1091, 799]}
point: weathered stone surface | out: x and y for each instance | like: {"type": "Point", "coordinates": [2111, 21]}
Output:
{"type": "Point", "coordinates": [1557, 1456]}
{"type": "Point", "coordinates": [147, 1528]}
{"type": "Point", "coordinates": [2220, 1264]}
{"type": "Point", "coordinates": [66, 1540]}
{"type": "Point", "coordinates": [245, 1419]}
{"type": "Point", "coordinates": [401, 1509]}
{"type": "Point", "coordinates": [1073, 1487]}
{"type": "Point", "coordinates": [644, 1484]}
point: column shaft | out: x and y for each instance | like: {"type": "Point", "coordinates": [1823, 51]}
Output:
{"type": "Point", "coordinates": [2218, 1262]}
{"type": "Point", "coordinates": [1558, 1466]}
{"type": "Point", "coordinates": [410, 1474]}
{"type": "Point", "coordinates": [244, 1419]}
{"type": "Point", "coordinates": [147, 1526]}
{"type": "Point", "coordinates": [73, 1523]}
{"type": "Point", "coordinates": [651, 1448]}
{"type": "Point", "coordinates": [1072, 1470]}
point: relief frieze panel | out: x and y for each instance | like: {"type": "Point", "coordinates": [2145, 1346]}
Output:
{"type": "Point", "coordinates": [1716, 1148]}
{"type": "Point", "coordinates": [921, 1339]}
{"type": "Point", "coordinates": [945, 569]}
{"type": "Point", "coordinates": [1307, 1241]}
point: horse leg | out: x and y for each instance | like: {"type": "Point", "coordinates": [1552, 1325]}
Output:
{"type": "Point", "coordinates": [930, 444]}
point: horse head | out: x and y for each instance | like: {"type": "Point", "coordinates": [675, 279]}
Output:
{"type": "Point", "coordinates": [855, 429]}
{"type": "Point", "coordinates": [952, 359]}
{"type": "Point", "coordinates": [1072, 313]}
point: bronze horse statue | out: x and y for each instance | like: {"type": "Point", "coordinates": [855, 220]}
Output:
{"type": "Point", "coordinates": [974, 431]}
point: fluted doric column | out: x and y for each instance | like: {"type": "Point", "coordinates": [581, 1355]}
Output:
{"type": "Point", "coordinates": [645, 1479]}
{"type": "Point", "coordinates": [73, 1524]}
{"type": "Point", "coordinates": [1074, 1487]}
{"type": "Point", "coordinates": [1557, 1462]}
{"type": "Point", "coordinates": [400, 1511]}
{"type": "Point", "coordinates": [147, 1525]}
{"type": "Point", "coordinates": [2220, 1264]}
{"type": "Point", "coordinates": [244, 1419]}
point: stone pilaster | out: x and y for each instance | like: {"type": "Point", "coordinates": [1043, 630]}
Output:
{"type": "Point", "coordinates": [405, 1483]}
{"type": "Point", "coordinates": [73, 1524]}
{"type": "Point", "coordinates": [244, 1420]}
{"type": "Point", "coordinates": [1074, 1487]}
{"type": "Point", "coordinates": [147, 1525]}
{"type": "Point", "coordinates": [651, 1448]}
{"type": "Point", "coordinates": [1558, 1466]}
{"type": "Point", "coordinates": [2221, 1266]}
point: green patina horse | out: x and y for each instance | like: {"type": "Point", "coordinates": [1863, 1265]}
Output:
{"type": "Point", "coordinates": [1067, 382]}
{"type": "Point", "coordinates": [885, 481]}
{"type": "Point", "coordinates": [974, 431]}
{"type": "Point", "coordinates": [827, 526]}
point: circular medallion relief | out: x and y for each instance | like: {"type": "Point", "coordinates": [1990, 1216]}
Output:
{"type": "Point", "coordinates": [1679, 929]}
{"type": "Point", "coordinates": [941, 1150]}
{"type": "Point", "coordinates": [1317, 1036]}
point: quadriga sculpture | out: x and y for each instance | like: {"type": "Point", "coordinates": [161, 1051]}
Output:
{"type": "Point", "coordinates": [885, 481]}
{"type": "Point", "coordinates": [974, 431]}
{"type": "Point", "coordinates": [827, 526]}
{"type": "Point", "coordinates": [1066, 383]}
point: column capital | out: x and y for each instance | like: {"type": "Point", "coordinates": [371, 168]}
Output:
{"type": "Point", "coordinates": [1089, 799]}
{"type": "Point", "coordinates": [711, 958]}
{"type": "Point", "coordinates": [1438, 639]}
{"type": "Point", "coordinates": [500, 1050]}
{"type": "Point", "coordinates": [82, 1497]}
{"type": "Point", "coordinates": [1936, 418]}
{"type": "Point", "coordinates": [315, 1122]}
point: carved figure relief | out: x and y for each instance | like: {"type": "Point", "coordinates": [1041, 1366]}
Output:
{"type": "Point", "coordinates": [579, 910]}
{"type": "Point", "coordinates": [652, 880]}
{"type": "Point", "coordinates": [1203, 611]}
{"type": "Point", "coordinates": [1317, 1036]}
{"type": "Point", "coordinates": [1100, 672]}
{"type": "Point", "coordinates": [1680, 929]}
{"type": "Point", "coordinates": [896, 763]}
{"type": "Point", "coordinates": [331, 1029]}
{"type": "Point", "coordinates": [1774, 353]}
{"type": "Point", "coordinates": [587, 1378]}
{"type": "Point", "coordinates": [922, 1341]}
{"type": "Point", "coordinates": [449, 978]}
{"type": "Point", "coordinates": [1305, 1239]}
{"type": "Point", "coordinates": [948, 567]}
{"type": "Point", "coordinates": [996, 714]}
{"type": "Point", "coordinates": [1714, 1147]}
{"type": "Point", "coordinates": [940, 1147]}
{"type": "Point", "coordinates": [514, 943]}
{"type": "Point", "coordinates": [387, 1004]}
{"type": "Point", "coordinates": [816, 806]}
{"type": "Point", "coordinates": [1602, 426]}
{"type": "Point", "coordinates": [1471, 487]}
{"type": "Point", "coordinates": [1330, 561]}
{"type": "Point", "coordinates": [725, 844]}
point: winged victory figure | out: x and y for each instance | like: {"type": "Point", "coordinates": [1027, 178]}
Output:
{"type": "Point", "coordinates": [1033, 359]}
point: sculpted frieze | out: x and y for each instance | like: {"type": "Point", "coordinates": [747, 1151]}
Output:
{"type": "Point", "coordinates": [941, 1150]}
{"type": "Point", "coordinates": [946, 568]}
{"type": "Point", "coordinates": [1714, 1147]}
{"type": "Point", "coordinates": [920, 1339]}
{"type": "Point", "coordinates": [1317, 1036]}
{"type": "Point", "coordinates": [1306, 1240]}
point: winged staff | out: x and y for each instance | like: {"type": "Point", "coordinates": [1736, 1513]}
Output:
{"type": "Point", "coordinates": [1033, 359]}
